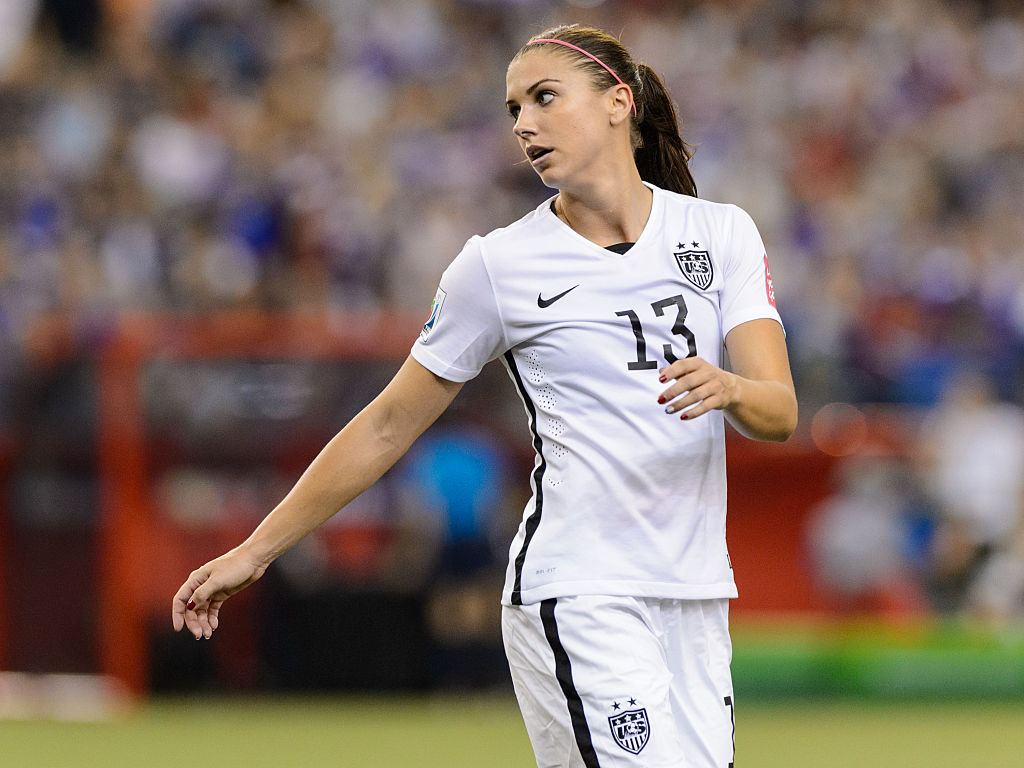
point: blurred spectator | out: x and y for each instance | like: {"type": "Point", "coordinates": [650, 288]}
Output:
{"type": "Point", "coordinates": [458, 475]}
{"type": "Point", "coordinates": [16, 20]}
{"type": "Point", "coordinates": [996, 597]}
{"type": "Point", "coordinates": [971, 455]}
{"type": "Point", "coordinates": [862, 539]}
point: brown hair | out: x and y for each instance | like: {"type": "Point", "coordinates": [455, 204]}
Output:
{"type": "Point", "coordinates": [661, 155]}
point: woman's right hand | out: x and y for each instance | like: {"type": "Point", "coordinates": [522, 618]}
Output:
{"type": "Point", "coordinates": [350, 463]}
{"type": "Point", "coordinates": [197, 603]}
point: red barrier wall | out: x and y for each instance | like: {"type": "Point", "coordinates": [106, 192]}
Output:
{"type": "Point", "coordinates": [142, 556]}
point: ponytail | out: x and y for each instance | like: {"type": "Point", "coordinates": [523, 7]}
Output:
{"type": "Point", "coordinates": [660, 153]}
{"type": "Point", "coordinates": [662, 157]}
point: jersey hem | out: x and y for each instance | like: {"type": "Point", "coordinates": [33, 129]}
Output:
{"type": "Point", "coordinates": [756, 313]}
{"type": "Point", "coordinates": [657, 590]}
{"type": "Point", "coordinates": [437, 366]}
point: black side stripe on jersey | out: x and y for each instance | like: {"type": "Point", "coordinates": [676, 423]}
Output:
{"type": "Point", "coordinates": [538, 477]}
{"type": "Point", "coordinates": [563, 673]}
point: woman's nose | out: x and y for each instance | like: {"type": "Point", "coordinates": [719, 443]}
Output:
{"type": "Point", "coordinates": [523, 126]}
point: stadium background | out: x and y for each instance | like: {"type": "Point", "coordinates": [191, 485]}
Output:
{"type": "Point", "coordinates": [222, 222]}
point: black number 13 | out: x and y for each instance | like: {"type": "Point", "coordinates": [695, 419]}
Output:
{"type": "Point", "coordinates": [642, 362]}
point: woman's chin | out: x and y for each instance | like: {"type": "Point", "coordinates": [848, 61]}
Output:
{"type": "Point", "coordinates": [550, 178]}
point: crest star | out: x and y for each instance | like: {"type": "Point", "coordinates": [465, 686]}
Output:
{"type": "Point", "coordinates": [616, 705]}
{"type": "Point", "coordinates": [632, 702]}
{"type": "Point", "coordinates": [695, 244]}
{"type": "Point", "coordinates": [680, 246]}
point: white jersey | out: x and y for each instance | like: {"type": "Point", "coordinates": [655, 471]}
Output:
{"type": "Point", "coordinates": [627, 499]}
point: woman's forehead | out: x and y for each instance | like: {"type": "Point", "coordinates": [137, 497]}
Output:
{"type": "Point", "coordinates": [535, 65]}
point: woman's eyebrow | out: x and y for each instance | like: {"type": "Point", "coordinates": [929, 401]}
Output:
{"type": "Point", "coordinates": [534, 87]}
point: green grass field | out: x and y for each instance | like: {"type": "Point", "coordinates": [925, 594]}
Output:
{"type": "Point", "coordinates": [487, 732]}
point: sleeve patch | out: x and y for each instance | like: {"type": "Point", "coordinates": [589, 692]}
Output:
{"type": "Point", "coordinates": [435, 313]}
{"type": "Point", "coordinates": [769, 286]}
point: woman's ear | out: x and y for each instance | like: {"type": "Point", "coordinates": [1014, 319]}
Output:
{"type": "Point", "coordinates": [620, 104]}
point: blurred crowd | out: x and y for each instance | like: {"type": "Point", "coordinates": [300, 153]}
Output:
{"type": "Point", "coordinates": [206, 154]}
{"type": "Point", "coordinates": [937, 527]}
{"type": "Point", "coordinates": [200, 155]}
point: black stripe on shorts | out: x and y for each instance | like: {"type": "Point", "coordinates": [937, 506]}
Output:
{"type": "Point", "coordinates": [563, 673]}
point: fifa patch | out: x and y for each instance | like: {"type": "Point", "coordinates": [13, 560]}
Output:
{"type": "Point", "coordinates": [697, 267]}
{"type": "Point", "coordinates": [630, 729]}
{"type": "Point", "coordinates": [435, 313]}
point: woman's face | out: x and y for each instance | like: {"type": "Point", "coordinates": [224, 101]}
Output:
{"type": "Point", "coordinates": [561, 122]}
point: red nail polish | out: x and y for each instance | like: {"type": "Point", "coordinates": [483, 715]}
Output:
{"type": "Point", "coordinates": [661, 399]}
{"type": "Point", "coordinates": [684, 417]}
{"type": "Point", "coordinates": [663, 378]}
{"type": "Point", "coordinates": [191, 605]}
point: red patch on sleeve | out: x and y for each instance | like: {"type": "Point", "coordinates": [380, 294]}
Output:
{"type": "Point", "coordinates": [769, 287]}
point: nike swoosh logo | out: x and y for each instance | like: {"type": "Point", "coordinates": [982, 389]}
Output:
{"type": "Point", "coordinates": [544, 303]}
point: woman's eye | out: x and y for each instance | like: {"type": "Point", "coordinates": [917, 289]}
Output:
{"type": "Point", "coordinates": [513, 112]}
{"type": "Point", "coordinates": [545, 97]}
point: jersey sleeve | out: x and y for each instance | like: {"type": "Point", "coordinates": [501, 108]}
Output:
{"type": "Point", "coordinates": [464, 330]}
{"type": "Point", "coordinates": [747, 290]}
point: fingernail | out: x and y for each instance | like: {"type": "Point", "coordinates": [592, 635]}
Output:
{"type": "Point", "coordinates": [684, 417]}
{"type": "Point", "coordinates": [663, 378]}
{"type": "Point", "coordinates": [670, 409]}
{"type": "Point", "coordinates": [661, 399]}
{"type": "Point", "coordinates": [191, 605]}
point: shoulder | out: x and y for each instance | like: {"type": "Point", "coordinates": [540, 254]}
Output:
{"type": "Point", "coordinates": [725, 224]}
{"type": "Point", "coordinates": [723, 212]}
{"type": "Point", "coordinates": [534, 224]}
{"type": "Point", "coordinates": [513, 246]}
{"type": "Point", "coordinates": [482, 254]}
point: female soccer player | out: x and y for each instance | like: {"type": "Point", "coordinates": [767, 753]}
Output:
{"type": "Point", "coordinates": [611, 305]}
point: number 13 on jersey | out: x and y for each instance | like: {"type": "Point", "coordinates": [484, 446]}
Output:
{"type": "Point", "coordinates": [642, 362]}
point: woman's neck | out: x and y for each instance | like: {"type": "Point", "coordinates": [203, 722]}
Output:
{"type": "Point", "coordinates": [608, 213]}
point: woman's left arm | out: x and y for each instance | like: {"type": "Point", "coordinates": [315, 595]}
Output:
{"type": "Point", "coordinates": [757, 395]}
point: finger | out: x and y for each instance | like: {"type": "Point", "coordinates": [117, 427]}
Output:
{"type": "Point", "coordinates": [205, 592]}
{"type": "Point", "coordinates": [677, 388]}
{"type": "Point", "coordinates": [198, 622]}
{"type": "Point", "coordinates": [684, 387]}
{"type": "Point", "coordinates": [698, 410]}
{"type": "Point", "coordinates": [192, 622]}
{"type": "Point", "coordinates": [705, 405]}
{"type": "Point", "coordinates": [177, 615]}
{"type": "Point", "coordinates": [687, 373]}
{"type": "Point", "coordinates": [693, 395]}
{"type": "Point", "coordinates": [204, 624]}
{"type": "Point", "coordinates": [208, 599]}
{"type": "Point", "coordinates": [680, 367]}
{"type": "Point", "coordinates": [698, 401]}
{"type": "Point", "coordinates": [197, 613]}
{"type": "Point", "coordinates": [214, 613]}
{"type": "Point", "coordinates": [180, 603]}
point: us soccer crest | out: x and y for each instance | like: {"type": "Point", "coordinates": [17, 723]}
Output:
{"type": "Point", "coordinates": [696, 267]}
{"type": "Point", "coordinates": [630, 729]}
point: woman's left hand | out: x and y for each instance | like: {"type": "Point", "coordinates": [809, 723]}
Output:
{"type": "Point", "coordinates": [757, 396]}
{"type": "Point", "coordinates": [699, 387]}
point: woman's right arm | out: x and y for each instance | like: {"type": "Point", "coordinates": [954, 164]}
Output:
{"type": "Point", "coordinates": [349, 464]}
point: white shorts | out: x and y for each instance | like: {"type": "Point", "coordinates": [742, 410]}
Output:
{"type": "Point", "coordinates": [623, 681]}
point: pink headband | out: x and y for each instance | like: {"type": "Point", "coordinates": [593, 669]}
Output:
{"type": "Point", "coordinates": [589, 56]}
